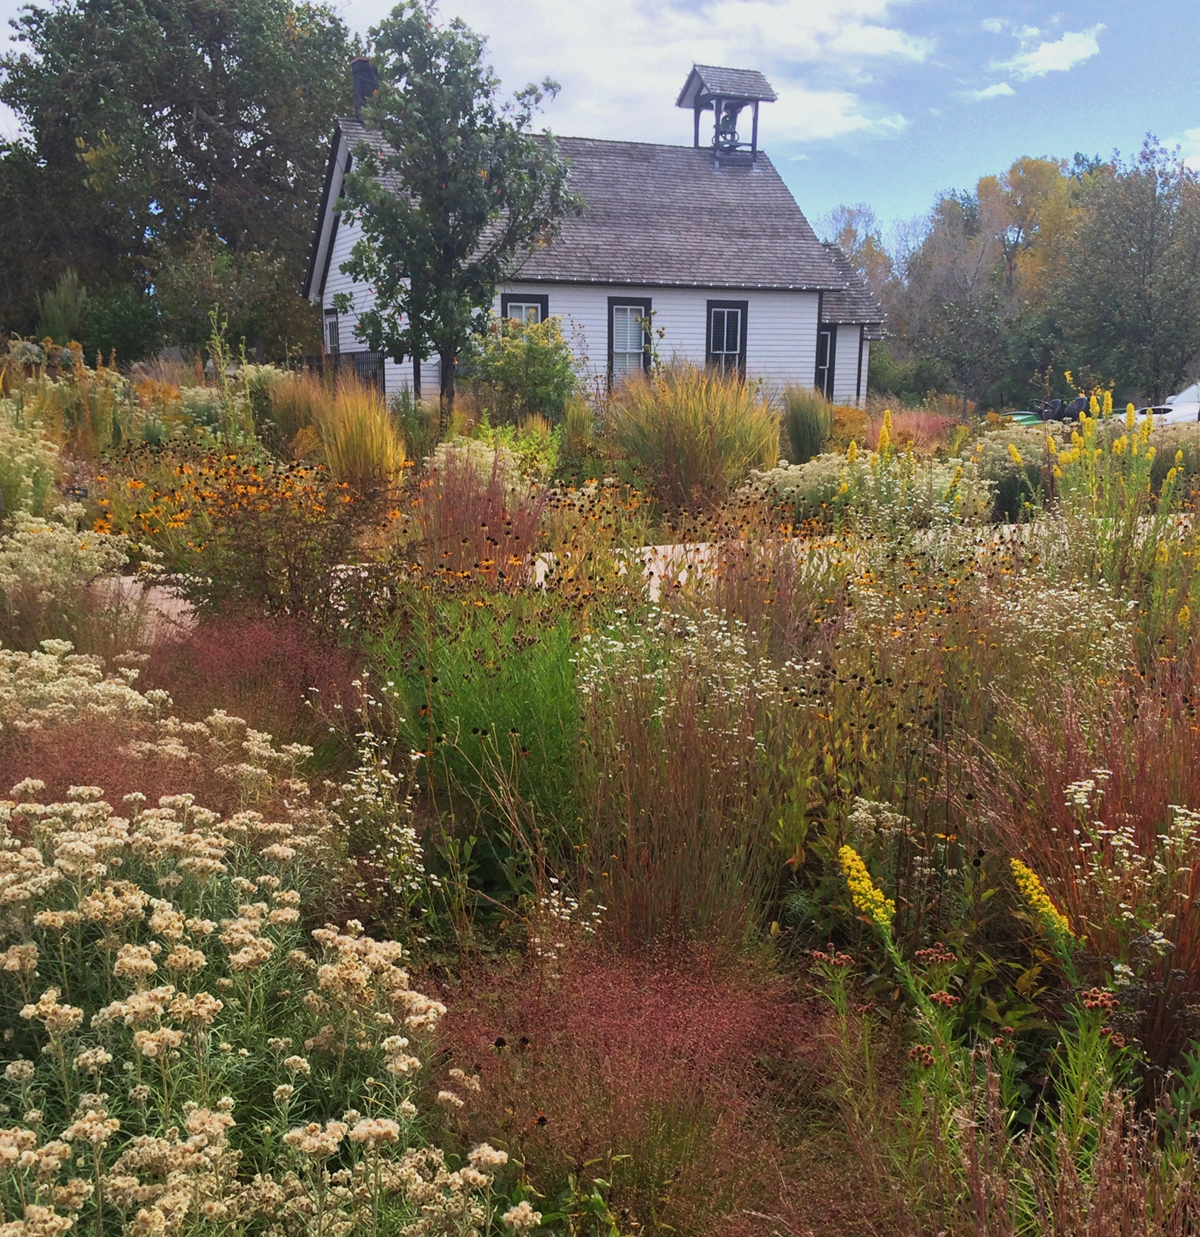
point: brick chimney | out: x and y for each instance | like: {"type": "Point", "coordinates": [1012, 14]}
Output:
{"type": "Point", "coordinates": [366, 82]}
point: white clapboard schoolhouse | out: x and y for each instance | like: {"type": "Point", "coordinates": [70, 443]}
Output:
{"type": "Point", "coordinates": [706, 238]}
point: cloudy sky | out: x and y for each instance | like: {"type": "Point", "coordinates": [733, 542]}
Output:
{"type": "Point", "coordinates": [880, 101]}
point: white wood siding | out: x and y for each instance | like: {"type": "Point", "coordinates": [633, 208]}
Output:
{"type": "Point", "coordinates": [866, 347]}
{"type": "Point", "coordinates": [781, 327]}
{"type": "Point", "coordinates": [845, 368]}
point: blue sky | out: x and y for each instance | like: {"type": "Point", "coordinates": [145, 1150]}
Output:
{"type": "Point", "coordinates": [881, 101]}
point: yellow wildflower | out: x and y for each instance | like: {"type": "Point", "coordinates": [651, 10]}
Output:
{"type": "Point", "coordinates": [1035, 895]}
{"type": "Point", "coordinates": [1130, 416]}
{"type": "Point", "coordinates": [1185, 616]}
{"type": "Point", "coordinates": [866, 897]}
{"type": "Point", "coordinates": [1118, 447]}
{"type": "Point", "coordinates": [852, 452]}
{"type": "Point", "coordinates": [1015, 455]}
{"type": "Point", "coordinates": [1051, 445]}
{"type": "Point", "coordinates": [1094, 406]}
{"type": "Point", "coordinates": [1067, 376]}
{"type": "Point", "coordinates": [1179, 459]}
{"type": "Point", "coordinates": [885, 432]}
{"type": "Point", "coordinates": [1107, 408]}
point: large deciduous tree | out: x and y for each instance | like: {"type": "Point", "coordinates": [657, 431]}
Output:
{"type": "Point", "coordinates": [1130, 302]}
{"type": "Point", "coordinates": [151, 127]}
{"type": "Point", "coordinates": [461, 190]}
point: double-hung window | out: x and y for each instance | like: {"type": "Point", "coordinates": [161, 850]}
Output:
{"type": "Point", "coordinates": [628, 338]}
{"type": "Point", "coordinates": [333, 339]}
{"type": "Point", "coordinates": [527, 308]}
{"type": "Point", "coordinates": [727, 336]}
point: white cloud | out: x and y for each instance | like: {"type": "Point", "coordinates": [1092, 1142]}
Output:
{"type": "Point", "coordinates": [993, 25]}
{"type": "Point", "coordinates": [995, 91]}
{"type": "Point", "coordinates": [1061, 55]}
{"type": "Point", "coordinates": [622, 63]}
{"type": "Point", "coordinates": [1190, 146]}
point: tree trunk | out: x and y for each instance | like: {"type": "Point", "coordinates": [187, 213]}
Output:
{"type": "Point", "coordinates": [446, 400]}
{"type": "Point", "coordinates": [416, 379]}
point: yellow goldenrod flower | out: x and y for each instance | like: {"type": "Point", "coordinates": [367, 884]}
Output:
{"type": "Point", "coordinates": [885, 432]}
{"type": "Point", "coordinates": [852, 452]}
{"type": "Point", "coordinates": [1015, 455]}
{"type": "Point", "coordinates": [1094, 406]}
{"type": "Point", "coordinates": [1118, 447]}
{"type": "Point", "coordinates": [1057, 471]}
{"type": "Point", "coordinates": [1179, 459]}
{"type": "Point", "coordinates": [1038, 900]}
{"type": "Point", "coordinates": [1107, 408]}
{"type": "Point", "coordinates": [1067, 376]}
{"type": "Point", "coordinates": [866, 897]}
{"type": "Point", "coordinates": [1130, 416]}
{"type": "Point", "coordinates": [1051, 445]}
{"type": "Point", "coordinates": [950, 489]}
{"type": "Point", "coordinates": [1185, 616]}
{"type": "Point", "coordinates": [1162, 554]}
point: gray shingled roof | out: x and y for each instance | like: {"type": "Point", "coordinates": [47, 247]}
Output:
{"type": "Point", "coordinates": [854, 301]}
{"type": "Point", "coordinates": [665, 216]}
{"type": "Point", "coordinates": [709, 80]}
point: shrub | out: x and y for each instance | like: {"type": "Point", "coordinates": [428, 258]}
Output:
{"type": "Point", "coordinates": [242, 531]}
{"type": "Point", "coordinates": [807, 421]}
{"type": "Point", "coordinates": [522, 368]}
{"type": "Point", "coordinates": [693, 434]}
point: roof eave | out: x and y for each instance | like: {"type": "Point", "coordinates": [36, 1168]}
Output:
{"type": "Point", "coordinates": [319, 230]}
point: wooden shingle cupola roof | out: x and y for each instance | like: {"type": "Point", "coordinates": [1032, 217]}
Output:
{"type": "Point", "coordinates": [725, 93]}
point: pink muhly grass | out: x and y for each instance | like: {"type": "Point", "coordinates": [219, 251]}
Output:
{"type": "Point", "coordinates": [673, 1062]}
{"type": "Point", "coordinates": [924, 430]}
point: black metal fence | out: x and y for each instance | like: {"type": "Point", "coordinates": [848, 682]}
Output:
{"type": "Point", "coordinates": [366, 366]}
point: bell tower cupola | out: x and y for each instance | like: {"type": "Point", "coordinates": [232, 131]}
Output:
{"type": "Point", "coordinates": [726, 93]}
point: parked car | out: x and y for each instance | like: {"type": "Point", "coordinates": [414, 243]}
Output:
{"type": "Point", "coordinates": [1186, 412]}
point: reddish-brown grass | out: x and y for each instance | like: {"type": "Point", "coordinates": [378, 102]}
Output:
{"type": "Point", "coordinates": [681, 1065]}
{"type": "Point", "coordinates": [1146, 735]}
{"type": "Point", "coordinates": [278, 674]}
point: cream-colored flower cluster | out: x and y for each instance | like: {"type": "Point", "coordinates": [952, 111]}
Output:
{"type": "Point", "coordinates": [144, 953]}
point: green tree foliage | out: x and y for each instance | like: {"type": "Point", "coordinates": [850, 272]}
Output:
{"type": "Point", "coordinates": [1130, 304]}
{"type": "Point", "coordinates": [154, 125]}
{"type": "Point", "coordinates": [460, 192]}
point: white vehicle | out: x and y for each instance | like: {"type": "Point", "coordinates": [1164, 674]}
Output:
{"type": "Point", "coordinates": [1177, 412]}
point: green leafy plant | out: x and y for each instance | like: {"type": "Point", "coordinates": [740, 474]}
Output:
{"type": "Point", "coordinates": [521, 368]}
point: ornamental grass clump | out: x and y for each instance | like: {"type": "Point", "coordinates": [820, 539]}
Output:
{"type": "Point", "coordinates": [807, 421]}
{"type": "Point", "coordinates": [360, 441]}
{"type": "Point", "coordinates": [694, 434]}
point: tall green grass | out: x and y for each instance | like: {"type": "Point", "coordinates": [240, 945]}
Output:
{"type": "Point", "coordinates": [693, 433]}
{"type": "Point", "coordinates": [807, 421]}
{"type": "Point", "coordinates": [487, 693]}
